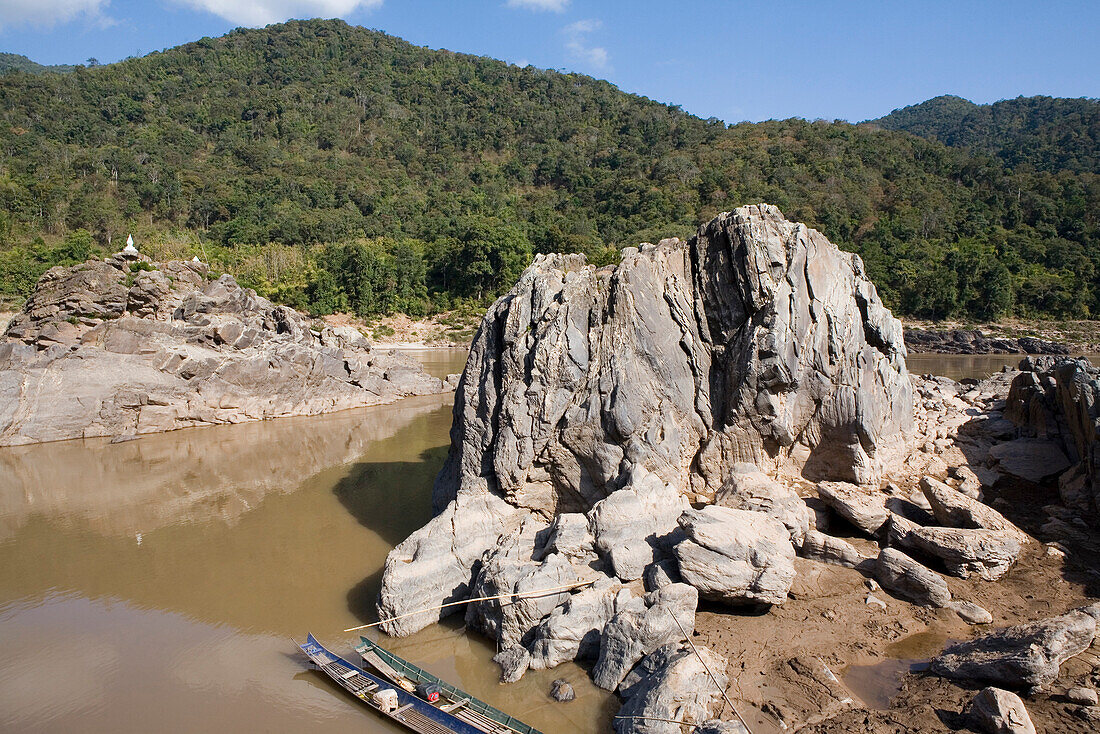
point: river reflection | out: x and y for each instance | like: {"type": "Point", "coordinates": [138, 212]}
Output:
{"type": "Point", "coordinates": [160, 584]}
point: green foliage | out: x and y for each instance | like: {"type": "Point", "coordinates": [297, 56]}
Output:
{"type": "Point", "coordinates": [1040, 133]}
{"type": "Point", "coordinates": [10, 63]}
{"type": "Point", "coordinates": [333, 167]}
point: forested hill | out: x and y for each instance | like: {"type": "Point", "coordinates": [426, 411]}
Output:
{"type": "Point", "coordinates": [1042, 133]}
{"type": "Point", "coordinates": [337, 167]}
{"type": "Point", "coordinates": [16, 62]}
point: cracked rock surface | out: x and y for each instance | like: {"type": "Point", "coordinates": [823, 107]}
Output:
{"type": "Point", "coordinates": [127, 346]}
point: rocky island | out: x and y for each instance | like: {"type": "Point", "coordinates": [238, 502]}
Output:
{"type": "Point", "coordinates": [127, 346]}
{"type": "Point", "coordinates": [707, 472]}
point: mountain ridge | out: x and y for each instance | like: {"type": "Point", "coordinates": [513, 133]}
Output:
{"type": "Point", "coordinates": [368, 162]}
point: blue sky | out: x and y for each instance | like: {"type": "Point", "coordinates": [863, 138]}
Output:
{"type": "Point", "coordinates": [732, 59]}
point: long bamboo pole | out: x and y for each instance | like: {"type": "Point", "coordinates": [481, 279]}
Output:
{"type": "Point", "coordinates": [513, 595]}
{"type": "Point", "coordinates": [706, 667]}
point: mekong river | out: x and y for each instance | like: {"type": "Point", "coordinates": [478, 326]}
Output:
{"type": "Point", "coordinates": [161, 584]}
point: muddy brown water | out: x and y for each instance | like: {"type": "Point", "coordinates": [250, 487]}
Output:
{"type": "Point", "coordinates": [161, 584]}
{"type": "Point", "coordinates": [959, 366]}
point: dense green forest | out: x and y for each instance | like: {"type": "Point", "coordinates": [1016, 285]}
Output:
{"type": "Point", "coordinates": [15, 62]}
{"type": "Point", "coordinates": [1036, 133]}
{"type": "Point", "coordinates": [334, 167]}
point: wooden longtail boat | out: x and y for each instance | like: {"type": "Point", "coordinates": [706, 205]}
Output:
{"type": "Point", "coordinates": [403, 673]}
{"type": "Point", "coordinates": [390, 700]}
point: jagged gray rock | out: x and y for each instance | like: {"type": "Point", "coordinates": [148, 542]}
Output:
{"type": "Point", "coordinates": [671, 683]}
{"type": "Point", "coordinates": [106, 349]}
{"type": "Point", "coordinates": [736, 556]}
{"type": "Point", "coordinates": [756, 341]}
{"type": "Point", "coordinates": [828, 549]}
{"type": "Point", "coordinates": [954, 509]}
{"type": "Point", "coordinates": [964, 551]}
{"type": "Point", "coordinates": [632, 634]}
{"type": "Point", "coordinates": [748, 488]}
{"type": "Point", "coordinates": [997, 711]}
{"type": "Point", "coordinates": [435, 564]}
{"type": "Point", "coordinates": [864, 508]}
{"type": "Point", "coordinates": [1059, 400]}
{"type": "Point", "coordinates": [902, 575]}
{"type": "Point", "coordinates": [572, 630]}
{"type": "Point", "coordinates": [1021, 656]}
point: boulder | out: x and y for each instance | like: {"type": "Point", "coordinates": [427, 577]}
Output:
{"type": "Point", "coordinates": [572, 630]}
{"type": "Point", "coordinates": [673, 683]}
{"type": "Point", "coordinates": [1082, 696]}
{"type": "Point", "coordinates": [997, 711]}
{"type": "Point", "coordinates": [634, 633]}
{"type": "Point", "coordinates": [510, 568]}
{"type": "Point", "coordinates": [954, 509]}
{"type": "Point", "coordinates": [988, 553]}
{"type": "Point", "coordinates": [632, 524]}
{"type": "Point", "coordinates": [970, 612]}
{"type": "Point", "coordinates": [435, 564]}
{"type": "Point", "coordinates": [513, 662]}
{"type": "Point", "coordinates": [1030, 458]}
{"type": "Point", "coordinates": [561, 691]}
{"type": "Point", "coordinates": [863, 508]}
{"type": "Point", "coordinates": [748, 488]}
{"type": "Point", "coordinates": [1021, 656]}
{"type": "Point", "coordinates": [902, 575]}
{"type": "Point", "coordinates": [828, 549]}
{"type": "Point", "coordinates": [736, 556]}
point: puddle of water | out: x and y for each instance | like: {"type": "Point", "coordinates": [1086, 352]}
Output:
{"type": "Point", "coordinates": [877, 683]}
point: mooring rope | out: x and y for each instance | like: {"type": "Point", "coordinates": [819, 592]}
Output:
{"type": "Point", "coordinates": [706, 667]}
{"type": "Point", "coordinates": [512, 595]}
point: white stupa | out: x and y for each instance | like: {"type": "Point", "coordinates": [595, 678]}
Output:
{"type": "Point", "coordinates": [130, 249]}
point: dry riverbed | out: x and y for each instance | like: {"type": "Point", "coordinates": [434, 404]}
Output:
{"type": "Point", "coordinates": [878, 654]}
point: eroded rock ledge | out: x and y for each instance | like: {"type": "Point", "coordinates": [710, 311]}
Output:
{"type": "Point", "coordinates": [688, 425]}
{"type": "Point", "coordinates": [127, 346]}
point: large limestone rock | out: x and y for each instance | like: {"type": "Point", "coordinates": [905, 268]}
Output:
{"type": "Point", "coordinates": [624, 392]}
{"type": "Point", "coordinates": [997, 711]}
{"type": "Point", "coordinates": [668, 616]}
{"type": "Point", "coordinates": [736, 556]}
{"type": "Point", "coordinates": [954, 509]}
{"type": "Point", "coordinates": [757, 340]}
{"type": "Point", "coordinates": [904, 576]}
{"type": "Point", "coordinates": [108, 349]}
{"type": "Point", "coordinates": [1021, 656]}
{"type": "Point", "coordinates": [748, 488]}
{"type": "Point", "coordinates": [1059, 400]}
{"type": "Point", "coordinates": [672, 684]}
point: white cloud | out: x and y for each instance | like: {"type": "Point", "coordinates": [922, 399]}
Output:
{"type": "Point", "coordinates": [555, 6]}
{"type": "Point", "coordinates": [576, 43]}
{"type": "Point", "coordinates": [50, 12]}
{"type": "Point", "coordinates": [262, 12]}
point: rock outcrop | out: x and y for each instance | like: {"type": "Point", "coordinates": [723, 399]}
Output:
{"type": "Point", "coordinates": [1058, 400]}
{"type": "Point", "coordinates": [996, 711]}
{"type": "Point", "coordinates": [1021, 656]}
{"type": "Point", "coordinates": [127, 346]}
{"type": "Point", "coordinates": [671, 684]}
{"type": "Point", "coordinates": [757, 341]}
{"type": "Point", "coordinates": [638, 424]}
{"type": "Point", "coordinates": [973, 341]}
{"type": "Point", "coordinates": [736, 556]}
